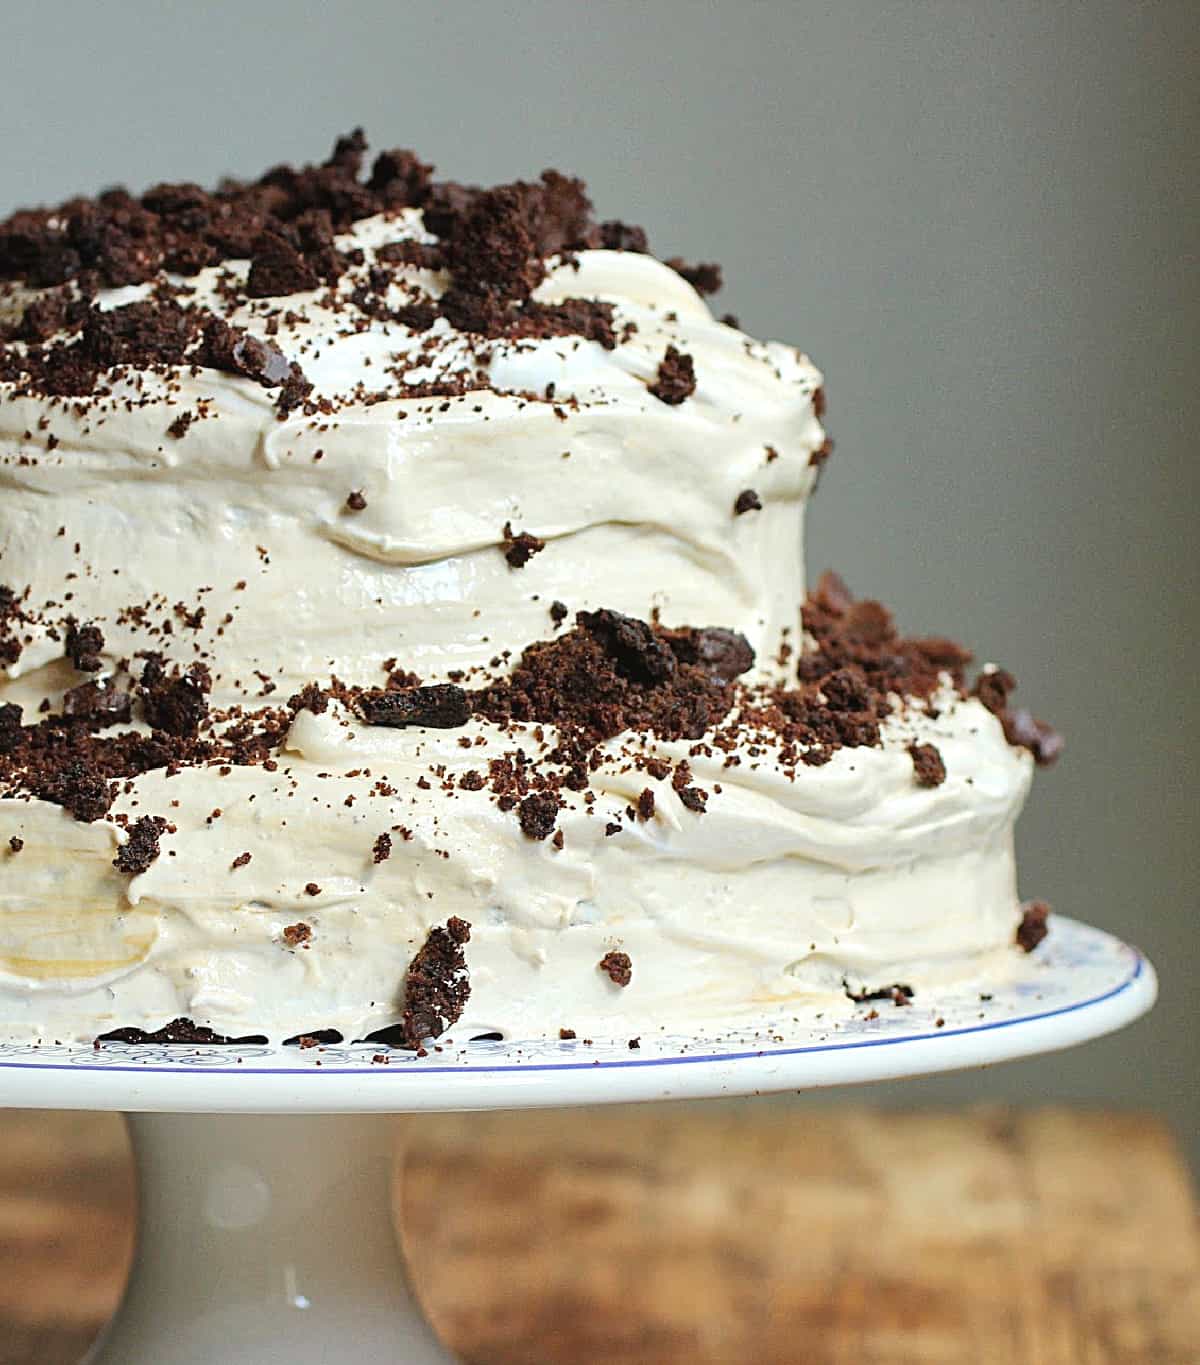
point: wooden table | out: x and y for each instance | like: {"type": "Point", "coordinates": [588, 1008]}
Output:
{"type": "Point", "coordinates": [755, 1232]}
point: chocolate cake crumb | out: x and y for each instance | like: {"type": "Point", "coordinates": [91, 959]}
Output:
{"type": "Point", "coordinates": [436, 985]}
{"type": "Point", "coordinates": [617, 967]}
{"type": "Point", "coordinates": [100, 703]}
{"type": "Point", "coordinates": [992, 687]}
{"type": "Point", "coordinates": [611, 828]}
{"type": "Point", "coordinates": [16, 843]}
{"type": "Point", "coordinates": [747, 501]}
{"type": "Point", "coordinates": [181, 1030]}
{"type": "Point", "coordinates": [174, 701]}
{"type": "Point", "coordinates": [382, 849]}
{"type": "Point", "coordinates": [296, 934]}
{"type": "Point", "coordinates": [558, 612]}
{"type": "Point", "coordinates": [727, 654]}
{"type": "Point", "coordinates": [1033, 926]}
{"type": "Point", "coordinates": [676, 379]}
{"type": "Point", "coordinates": [10, 726]}
{"type": "Point", "coordinates": [897, 994]}
{"type": "Point", "coordinates": [78, 789]}
{"type": "Point", "coordinates": [694, 798]}
{"type": "Point", "coordinates": [520, 547]}
{"type": "Point", "coordinates": [277, 267]}
{"type": "Point", "coordinates": [705, 277]}
{"type": "Point", "coordinates": [240, 861]}
{"type": "Point", "coordinates": [1042, 740]}
{"type": "Point", "coordinates": [311, 889]}
{"type": "Point", "coordinates": [141, 847]}
{"type": "Point", "coordinates": [317, 1037]}
{"type": "Point", "coordinates": [566, 1034]}
{"type": "Point", "coordinates": [356, 502]}
{"type": "Point", "coordinates": [84, 644]}
{"type": "Point", "coordinates": [179, 427]}
{"type": "Point", "coordinates": [634, 1044]}
{"type": "Point", "coordinates": [443, 706]}
{"type": "Point", "coordinates": [538, 813]}
{"type": "Point", "coordinates": [645, 805]}
{"type": "Point", "coordinates": [928, 767]}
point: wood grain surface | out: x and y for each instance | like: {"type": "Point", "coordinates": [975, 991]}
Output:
{"type": "Point", "coordinates": [706, 1233]}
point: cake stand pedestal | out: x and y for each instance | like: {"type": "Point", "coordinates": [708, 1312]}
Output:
{"type": "Point", "coordinates": [265, 1212]}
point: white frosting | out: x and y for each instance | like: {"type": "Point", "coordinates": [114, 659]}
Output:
{"type": "Point", "coordinates": [790, 887]}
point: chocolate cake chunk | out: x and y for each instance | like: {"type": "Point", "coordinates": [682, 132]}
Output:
{"type": "Point", "coordinates": [1034, 925]}
{"type": "Point", "coordinates": [746, 501]}
{"type": "Point", "coordinates": [181, 1030]}
{"type": "Point", "coordinates": [676, 378]}
{"type": "Point", "coordinates": [141, 847]}
{"type": "Point", "coordinates": [84, 644]}
{"type": "Point", "coordinates": [617, 967]}
{"type": "Point", "coordinates": [436, 985]}
{"type": "Point", "coordinates": [100, 703]}
{"type": "Point", "coordinates": [443, 706]}
{"type": "Point", "coordinates": [704, 277]}
{"type": "Point", "coordinates": [520, 546]}
{"type": "Point", "coordinates": [538, 814]}
{"type": "Point", "coordinates": [173, 700]}
{"type": "Point", "coordinates": [928, 768]}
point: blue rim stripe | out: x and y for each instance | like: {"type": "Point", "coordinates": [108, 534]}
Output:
{"type": "Point", "coordinates": [631, 1063]}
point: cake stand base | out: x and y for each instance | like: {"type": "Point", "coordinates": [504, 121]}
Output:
{"type": "Point", "coordinates": [265, 1217]}
{"type": "Point", "coordinates": [267, 1239]}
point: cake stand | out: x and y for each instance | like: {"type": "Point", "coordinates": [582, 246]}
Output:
{"type": "Point", "coordinates": [265, 1230]}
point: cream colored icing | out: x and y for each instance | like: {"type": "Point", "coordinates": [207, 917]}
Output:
{"type": "Point", "coordinates": [791, 887]}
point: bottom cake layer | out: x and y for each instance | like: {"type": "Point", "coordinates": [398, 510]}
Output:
{"type": "Point", "coordinates": [294, 897]}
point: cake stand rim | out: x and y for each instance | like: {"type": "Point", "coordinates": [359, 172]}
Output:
{"type": "Point", "coordinates": [414, 1086]}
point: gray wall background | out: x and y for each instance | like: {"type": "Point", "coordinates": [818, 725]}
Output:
{"type": "Point", "coordinates": [979, 218]}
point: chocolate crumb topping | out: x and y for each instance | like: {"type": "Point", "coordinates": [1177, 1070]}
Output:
{"type": "Point", "coordinates": [382, 848]}
{"type": "Point", "coordinates": [617, 967]}
{"type": "Point", "coordinates": [705, 277]}
{"type": "Point", "coordinates": [141, 847]}
{"type": "Point", "coordinates": [566, 1034]}
{"type": "Point", "coordinates": [294, 935]}
{"type": "Point", "coordinates": [277, 267]}
{"type": "Point", "coordinates": [897, 994]}
{"type": "Point", "coordinates": [1033, 926]}
{"type": "Point", "coordinates": [645, 805]}
{"type": "Point", "coordinates": [993, 687]}
{"type": "Point", "coordinates": [16, 843]}
{"type": "Point", "coordinates": [84, 645]}
{"type": "Point", "coordinates": [558, 612]}
{"type": "Point", "coordinates": [180, 426]}
{"type": "Point", "coordinates": [538, 813]}
{"type": "Point", "coordinates": [240, 861]}
{"type": "Point", "coordinates": [181, 1030]}
{"type": "Point", "coordinates": [1042, 740]}
{"type": "Point", "coordinates": [928, 767]}
{"type": "Point", "coordinates": [173, 700]}
{"type": "Point", "coordinates": [10, 726]}
{"type": "Point", "coordinates": [99, 703]}
{"type": "Point", "coordinates": [747, 501]}
{"type": "Point", "coordinates": [676, 378]}
{"type": "Point", "coordinates": [444, 706]}
{"type": "Point", "coordinates": [520, 547]}
{"type": "Point", "coordinates": [436, 985]}
{"type": "Point", "coordinates": [356, 502]}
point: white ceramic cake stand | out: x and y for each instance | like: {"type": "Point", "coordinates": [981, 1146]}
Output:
{"type": "Point", "coordinates": [265, 1229]}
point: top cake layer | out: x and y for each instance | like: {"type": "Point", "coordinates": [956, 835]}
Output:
{"type": "Point", "coordinates": [240, 422]}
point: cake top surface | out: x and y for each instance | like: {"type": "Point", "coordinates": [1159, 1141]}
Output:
{"type": "Point", "coordinates": [253, 279]}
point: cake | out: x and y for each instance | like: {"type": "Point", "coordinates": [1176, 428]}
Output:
{"type": "Point", "coordinates": [404, 629]}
